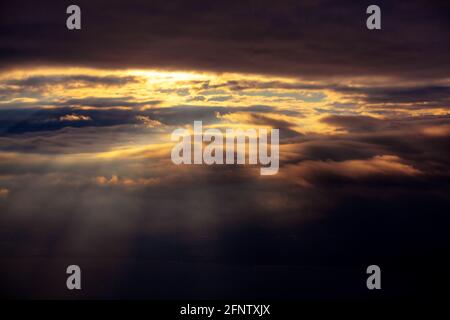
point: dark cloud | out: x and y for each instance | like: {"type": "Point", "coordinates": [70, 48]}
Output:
{"type": "Point", "coordinates": [433, 95]}
{"type": "Point", "coordinates": [31, 120]}
{"type": "Point", "coordinates": [107, 102]}
{"type": "Point", "coordinates": [187, 114]}
{"type": "Point", "coordinates": [96, 102]}
{"type": "Point", "coordinates": [17, 121]}
{"type": "Point", "coordinates": [275, 226]}
{"type": "Point", "coordinates": [412, 96]}
{"type": "Point", "coordinates": [356, 123]}
{"type": "Point", "coordinates": [219, 98]}
{"type": "Point", "coordinates": [420, 141]}
{"type": "Point", "coordinates": [38, 81]}
{"type": "Point", "coordinates": [396, 93]}
{"type": "Point", "coordinates": [308, 39]}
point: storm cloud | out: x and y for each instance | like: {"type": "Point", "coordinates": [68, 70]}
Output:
{"type": "Point", "coordinates": [310, 39]}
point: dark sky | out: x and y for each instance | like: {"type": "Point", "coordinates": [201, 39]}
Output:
{"type": "Point", "coordinates": [301, 38]}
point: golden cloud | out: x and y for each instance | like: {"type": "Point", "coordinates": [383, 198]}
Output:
{"type": "Point", "coordinates": [126, 182]}
{"type": "Point", "coordinates": [306, 172]}
{"type": "Point", "coordinates": [4, 192]}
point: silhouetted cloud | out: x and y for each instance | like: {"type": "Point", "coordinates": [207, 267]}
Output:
{"type": "Point", "coordinates": [309, 39]}
{"type": "Point", "coordinates": [38, 81]}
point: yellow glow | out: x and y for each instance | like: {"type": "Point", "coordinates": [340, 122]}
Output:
{"type": "Point", "coordinates": [147, 89]}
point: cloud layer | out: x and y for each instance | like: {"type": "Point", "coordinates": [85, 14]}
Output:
{"type": "Point", "coordinates": [85, 169]}
{"type": "Point", "coordinates": [314, 38]}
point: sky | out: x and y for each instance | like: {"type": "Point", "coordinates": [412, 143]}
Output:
{"type": "Point", "coordinates": [86, 177]}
